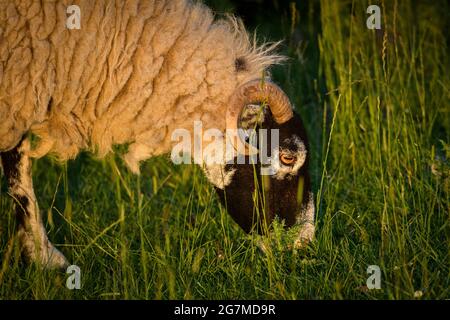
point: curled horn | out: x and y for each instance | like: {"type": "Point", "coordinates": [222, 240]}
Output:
{"type": "Point", "coordinates": [258, 91]}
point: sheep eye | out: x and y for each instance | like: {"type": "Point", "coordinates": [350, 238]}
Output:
{"type": "Point", "coordinates": [287, 159]}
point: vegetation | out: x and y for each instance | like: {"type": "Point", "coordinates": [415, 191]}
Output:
{"type": "Point", "coordinates": [376, 107]}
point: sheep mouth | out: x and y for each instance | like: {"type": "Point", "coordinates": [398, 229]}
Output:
{"type": "Point", "coordinates": [297, 237]}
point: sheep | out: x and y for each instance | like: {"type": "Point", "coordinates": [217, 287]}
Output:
{"type": "Point", "coordinates": [134, 73]}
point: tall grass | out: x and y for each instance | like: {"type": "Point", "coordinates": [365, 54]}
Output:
{"type": "Point", "coordinates": [389, 92]}
{"type": "Point", "coordinates": [376, 107]}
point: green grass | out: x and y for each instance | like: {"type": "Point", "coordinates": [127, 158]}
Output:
{"type": "Point", "coordinates": [376, 107]}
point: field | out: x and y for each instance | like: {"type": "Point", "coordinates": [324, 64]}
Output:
{"type": "Point", "coordinates": [376, 105]}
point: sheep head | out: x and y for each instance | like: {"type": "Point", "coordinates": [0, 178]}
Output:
{"type": "Point", "coordinates": [255, 191]}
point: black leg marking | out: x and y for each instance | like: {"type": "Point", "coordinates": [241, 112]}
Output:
{"type": "Point", "coordinates": [35, 245]}
{"type": "Point", "coordinates": [10, 162]}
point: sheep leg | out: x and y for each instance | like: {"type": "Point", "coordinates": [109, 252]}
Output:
{"type": "Point", "coordinates": [31, 232]}
{"type": "Point", "coordinates": [307, 231]}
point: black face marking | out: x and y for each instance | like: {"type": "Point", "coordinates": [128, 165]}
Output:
{"type": "Point", "coordinates": [282, 198]}
{"type": "Point", "coordinates": [240, 64]}
{"type": "Point", "coordinates": [237, 197]}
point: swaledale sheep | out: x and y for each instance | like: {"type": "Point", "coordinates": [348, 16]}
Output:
{"type": "Point", "coordinates": [133, 73]}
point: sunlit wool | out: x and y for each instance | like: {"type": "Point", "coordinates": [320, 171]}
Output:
{"type": "Point", "coordinates": [133, 73]}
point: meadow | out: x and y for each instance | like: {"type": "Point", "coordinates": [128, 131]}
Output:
{"type": "Point", "coordinates": [376, 107]}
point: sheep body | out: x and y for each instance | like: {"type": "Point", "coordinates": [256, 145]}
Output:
{"type": "Point", "coordinates": [134, 72]}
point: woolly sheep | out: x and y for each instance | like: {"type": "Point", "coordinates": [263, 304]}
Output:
{"type": "Point", "coordinates": [133, 73]}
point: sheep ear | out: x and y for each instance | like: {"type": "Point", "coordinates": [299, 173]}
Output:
{"type": "Point", "coordinates": [252, 116]}
{"type": "Point", "coordinates": [250, 120]}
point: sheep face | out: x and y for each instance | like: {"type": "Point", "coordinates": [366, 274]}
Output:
{"type": "Point", "coordinates": [274, 182]}
{"type": "Point", "coordinates": [254, 197]}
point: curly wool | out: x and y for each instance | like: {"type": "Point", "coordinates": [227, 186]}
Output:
{"type": "Point", "coordinates": [134, 72]}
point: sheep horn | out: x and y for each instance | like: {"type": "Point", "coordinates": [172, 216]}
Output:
{"type": "Point", "coordinates": [259, 91]}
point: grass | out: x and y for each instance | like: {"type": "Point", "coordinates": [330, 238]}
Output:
{"type": "Point", "coordinates": [376, 107]}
